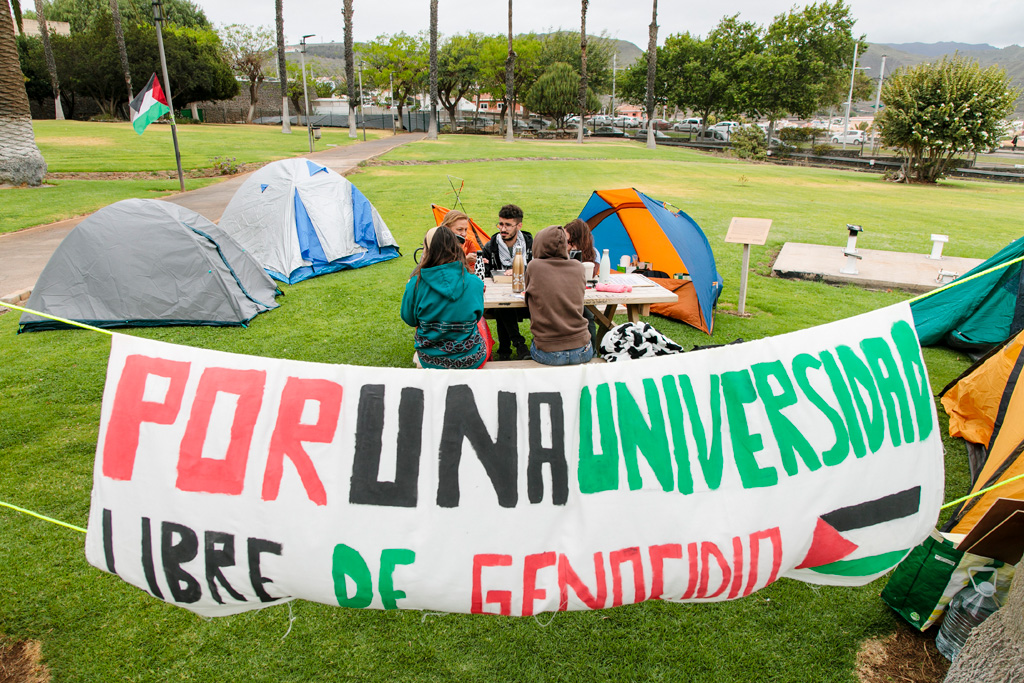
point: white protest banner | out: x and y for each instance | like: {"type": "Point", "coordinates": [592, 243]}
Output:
{"type": "Point", "coordinates": [226, 483]}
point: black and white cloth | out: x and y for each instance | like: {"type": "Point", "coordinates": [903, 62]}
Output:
{"type": "Point", "coordinates": [629, 341]}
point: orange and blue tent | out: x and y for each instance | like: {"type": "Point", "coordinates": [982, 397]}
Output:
{"type": "Point", "coordinates": [476, 238]}
{"type": "Point", "coordinates": [628, 222]}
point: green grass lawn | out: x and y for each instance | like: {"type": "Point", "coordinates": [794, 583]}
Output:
{"type": "Point", "coordinates": [96, 628]}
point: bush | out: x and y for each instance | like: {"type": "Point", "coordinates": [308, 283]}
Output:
{"type": "Point", "coordinates": [225, 165]}
{"type": "Point", "coordinates": [822, 150]}
{"type": "Point", "coordinates": [749, 143]}
{"type": "Point", "coordinates": [794, 135]}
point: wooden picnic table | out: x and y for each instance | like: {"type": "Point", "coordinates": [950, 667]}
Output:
{"type": "Point", "coordinates": [602, 304]}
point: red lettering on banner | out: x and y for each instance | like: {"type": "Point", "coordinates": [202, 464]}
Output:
{"type": "Point", "coordinates": [290, 433]}
{"type": "Point", "coordinates": [616, 560]}
{"type": "Point", "coordinates": [775, 537]}
{"type": "Point", "coordinates": [532, 565]}
{"type": "Point", "coordinates": [737, 567]}
{"type": "Point", "coordinates": [501, 598]}
{"type": "Point", "coordinates": [691, 587]}
{"type": "Point", "coordinates": [706, 550]}
{"type": "Point", "coordinates": [567, 577]}
{"type": "Point", "coordinates": [130, 410]}
{"type": "Point", "coordinates": [660, 553]}
{"type": "Point", "coordinates": [227, 475]}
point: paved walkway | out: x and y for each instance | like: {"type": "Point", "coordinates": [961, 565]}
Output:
{"type": "Point", "coordinates": [24, 253]}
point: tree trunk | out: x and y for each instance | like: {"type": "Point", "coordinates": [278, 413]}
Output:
{"type": "Point", "coordinates": [122, 51]}
{"type": "Point", "coordinates": [510, 63]}
{"type": "Point", "coordinates": [350, 69]}
{"type": "Point", "coordinates": [20, 160]}
{"type": "Point", "coordinates": [583, 68]}
{"type": "Point", "coordinates": [253, 97]}
{"type": "Point", "coordinates": [432, 130]}
{"type": "Point", "coordinates": [51, 64]}
{"type": "Point", "coordinates": [995, 650]}
{"type": "Point", "coordinates": [282, 67]}
{"type": "Point", "coordinates": [652, 63]}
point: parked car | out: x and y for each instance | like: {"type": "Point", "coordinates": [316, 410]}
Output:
{"type": "Point", "coordinates": [572, 120]}
{"type": "Point", "coordinates": [852, 137]}
{"type": "Point", "coordinates": [603, 120]}
{"type": "Point", "coordinates": [726, 127]}
{"type": "Point", "coordinates": [573, 129]}
{"type": "Point", "coordinates": [660, 124]}
{"type": "Point", "coordinates": [713, 135]}
{"type": "Point", "coordinates": [609, 132]}
{"type": "Point", "coordinates": [691, 125]}
{"type": "Point", "coordinates": [641, 134]}
{"type": "Point", "coordinates": [627, 122]}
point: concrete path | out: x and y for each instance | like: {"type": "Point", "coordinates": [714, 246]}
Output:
{"type": "Point", "coordinates": [23, 254]}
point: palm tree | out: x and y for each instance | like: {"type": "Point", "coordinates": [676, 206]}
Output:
{"type": "Point", "coordinates": [510, 63]}
{"type": "Point", "coordinates": [282, 68]}
{"type": "Point", "coordinates": [20, 160]}
{"type": "Point", "coordinates": [350, 69]}
{"type": "Point", "coordinates": [432, 132]}
{"type": "Point", "coordinates": [51, 64]}
{"type": "Point", "coordinates": [652, 63]}
{"type": "Point", "coordinates": [115, 13]}
{"type": "Point", "coordinates": [583, 68]}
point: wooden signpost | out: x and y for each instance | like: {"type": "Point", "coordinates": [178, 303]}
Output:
{"type": "Point", "coordinates": [747, 231]}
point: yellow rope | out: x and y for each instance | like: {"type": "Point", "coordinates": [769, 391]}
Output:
{"type": "Point", "coordinates": [957, 282]}
{"type": "Point", "coordinates": [42, 517]}
{"type": "Point", "coordinates": [60, 320]}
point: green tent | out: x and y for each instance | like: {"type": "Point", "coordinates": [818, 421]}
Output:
{"type": "Point", "coordinates": [979, 314]}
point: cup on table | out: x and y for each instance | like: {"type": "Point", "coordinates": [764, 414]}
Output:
{"type": "Point", "coordinates": [588, 269]}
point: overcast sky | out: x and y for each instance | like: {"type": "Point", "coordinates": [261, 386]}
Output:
{"type": "Point", "coordinates": [996, 22]}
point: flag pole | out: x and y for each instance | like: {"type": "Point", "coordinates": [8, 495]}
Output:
{"type": "Point", "coordinates": [157, 18]}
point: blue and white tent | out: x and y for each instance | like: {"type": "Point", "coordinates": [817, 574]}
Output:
{"type": "Point", "coordinates": [300, 219]}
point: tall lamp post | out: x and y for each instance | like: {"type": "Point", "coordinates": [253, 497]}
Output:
{"type": "Point", "coordinates": [361, 98]}
{"type": "Point", "coordinates": [849, 98]}
{"type": "Point", "coordinates": [878, 102]}
{"type": "Point", "coordinates": [305, 92]}
{"type": "Point", "coordinates": [158, 17]}
{"type": "Point", "coordinates": [391, 90]}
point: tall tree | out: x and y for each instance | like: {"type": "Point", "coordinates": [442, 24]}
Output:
{"type": "Point", "coordinates": [652, 65]}
{"type": "Point", "coordinates": [458, 70]}
{"type": "Point", "coordinates": [20, 160]}
{"type": "Point", "coordinates": [122, 49]}
{"type": "Point", "coordinates": [432, 131]}
{"type": "Point", "coordinates": [400, 59]}
{"type": "Point", "coordinates": [282, 67]}
{"type": "Point", "coordinates": [249, 50]}
{"type": "Point", "coordinates": [583, 68]}
{"type": "Point", "coordinates": [510, 63]}
{"type": "Point", "coordinates": [51, 65]}
{"type": "Point", "coordinates": [556, 94]}
{"type": "Point", "coordinates": [350, 68]}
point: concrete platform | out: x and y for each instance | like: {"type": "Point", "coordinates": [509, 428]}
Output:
{"type": "Point", "coordinates": [876, 269]}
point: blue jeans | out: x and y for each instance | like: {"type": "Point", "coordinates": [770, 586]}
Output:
{"type": "Point", "coordinates": [568, 357]}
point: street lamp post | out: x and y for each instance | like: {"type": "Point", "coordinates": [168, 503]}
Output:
{"type": "Point", "coordinates": [305, 92]}
{"type": "Point", "coordinates": [361, 98]}
{"type": "Point", "coordinates": [849, 98]}
{"type": "Point", "coordinates": [878, 102]}
{"type": "Point", "coordinates": [391, 91]}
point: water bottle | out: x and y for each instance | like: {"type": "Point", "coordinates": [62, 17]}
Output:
{"type": "Point", "coordinates": [606, 267]}
{"type": "Point", "coordinates": [479, 267]}
{"type": "Point", "coordinates": [518, 271]}
{"type": "Point", "coordinates": [967, 609]}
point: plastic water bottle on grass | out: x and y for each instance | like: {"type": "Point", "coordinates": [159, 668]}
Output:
{"type": "Point", "coordinates": [967, 609]}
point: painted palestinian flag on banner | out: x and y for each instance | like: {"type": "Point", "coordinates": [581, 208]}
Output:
{"type": "Point", "coordinates": [149, 105]}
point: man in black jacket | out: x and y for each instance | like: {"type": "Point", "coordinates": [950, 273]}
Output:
{"type": "Point", "coordinates": [498, 252]}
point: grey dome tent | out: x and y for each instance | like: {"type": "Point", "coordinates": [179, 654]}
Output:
{"type": "Point", "coordinates": [145, 262]}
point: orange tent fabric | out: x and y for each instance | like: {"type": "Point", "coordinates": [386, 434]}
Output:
{"type": "Point", "coordinates": [476, 238]}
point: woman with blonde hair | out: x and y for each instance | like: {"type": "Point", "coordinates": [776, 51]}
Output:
{"type": "Point", "coordinates": [458, 222]}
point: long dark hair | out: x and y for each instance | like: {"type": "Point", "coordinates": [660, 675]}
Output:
{"type": "Point", "coordinates": [579, 235]}
{"type": "Point", "coordinates": [443, 248]}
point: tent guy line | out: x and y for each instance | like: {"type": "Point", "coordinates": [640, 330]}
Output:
{"type": "Point", "coordinates": [42, 517]}
{"type": "Point", "coordinates": [956, 283]}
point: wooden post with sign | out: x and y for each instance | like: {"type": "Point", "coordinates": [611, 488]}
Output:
{"type": "Point", "coordinates": [747, 231]}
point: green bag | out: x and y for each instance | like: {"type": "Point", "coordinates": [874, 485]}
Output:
{"type": "Point", "coordinates": [928, 578]}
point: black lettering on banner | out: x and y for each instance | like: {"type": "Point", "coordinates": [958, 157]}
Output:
{"type": "Point", "coordinates": [554, 456]}
{"type": "Point", "coordinates": [184, 587]}
{"type": "Point", "coordinates": [220, 552]}
{"type": "Point", "coordinates": [366, 488]}
{"type": "Point", "coordinates": [108, 540]}
{"type": "Point", "coordinates": [147, 560]}
{"type": "Point", "coordinates": [256, 547]}
{"type": "Point", "coordinates": [499, 457]}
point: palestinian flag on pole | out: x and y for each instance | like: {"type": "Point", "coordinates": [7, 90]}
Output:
{"type": "Point", "coordinates": [149, 105]}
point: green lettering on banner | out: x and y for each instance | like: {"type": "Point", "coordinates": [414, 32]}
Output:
{"type": "Point", "coordinates": [348, 562]}
{"type": "Point", "coordinates": [787, 436]}
{"type": "Point", "coordinates": [676, 421]}
{"type": "Point", "coordinates": [389, 559]}
{"type": "Point", "coordinates": [598, 471]}
{"type": "Point", "coordinates": [838, 452]}
{"type": "Point", "coordinates": [738, 389]}
{"type": "Point", "coordinates": [842, 391]}
{"type": "Point", "coordinates": [635, 434]}
{"type": "Point", "coordinates": [913, 367]}
{"type": "Point", "coordinates": [890, 385]}
{"type": "Point", "coordinates": [711, 460]}
{"type": "Point", "coordinates": [859, 374]}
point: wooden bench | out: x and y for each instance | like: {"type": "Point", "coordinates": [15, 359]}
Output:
{"type": "Point", "coordinates": [528, 364]}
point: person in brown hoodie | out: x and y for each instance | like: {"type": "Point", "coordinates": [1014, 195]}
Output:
{"type": "Point", "coordinates": [554, 294]}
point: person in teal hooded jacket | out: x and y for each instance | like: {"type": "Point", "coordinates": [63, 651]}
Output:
{"type": "Point", "coordinates": [445, 303]}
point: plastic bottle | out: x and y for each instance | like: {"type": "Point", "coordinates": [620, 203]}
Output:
{"type": "Point", "coordinates": [967, 609]}
{"type": "Point", "coordinates": [479, 268]}
{"type": "Point", "coordinates": [518, 271]}
{"type": "Point", "coordinates": [606, 267]}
